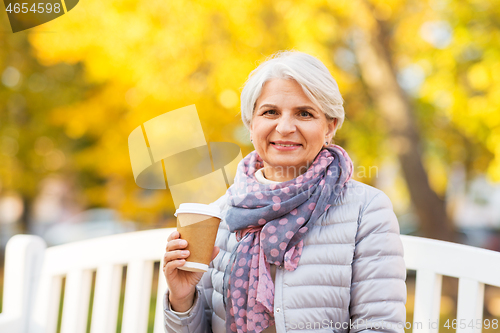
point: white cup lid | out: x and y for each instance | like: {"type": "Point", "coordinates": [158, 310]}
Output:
{"type": "Point", "coordinates": [198, 208]}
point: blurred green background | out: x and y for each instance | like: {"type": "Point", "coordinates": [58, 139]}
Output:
{"type": "Point", "coordinates": [420, 79]}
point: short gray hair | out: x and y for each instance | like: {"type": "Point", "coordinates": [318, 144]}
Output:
{"type": "Point", "coordinates": [312, 75]}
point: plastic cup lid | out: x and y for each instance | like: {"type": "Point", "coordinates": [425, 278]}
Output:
{"type": "Point", "coordinates": [198, 208]}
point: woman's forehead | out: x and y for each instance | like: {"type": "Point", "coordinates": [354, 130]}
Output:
{"type": "Point", "coordinates": [283, 91]}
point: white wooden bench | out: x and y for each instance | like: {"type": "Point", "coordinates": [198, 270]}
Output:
{"type": "Point", "coordinates": [32, 289]}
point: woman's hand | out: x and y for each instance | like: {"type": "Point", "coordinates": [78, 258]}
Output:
{"type": "Point", "coordinates": [181, 284]}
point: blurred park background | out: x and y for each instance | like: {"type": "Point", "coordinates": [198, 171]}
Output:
{"type": "Point", "coordinates": [420, 79]}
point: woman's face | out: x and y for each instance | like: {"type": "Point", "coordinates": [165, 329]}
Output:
{"type": "Point", "coordinates": [288, 130]}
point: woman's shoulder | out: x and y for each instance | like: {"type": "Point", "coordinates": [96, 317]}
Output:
{"type": "Point", "coordinates": [376, 213]}
{"type": "Point", "coordinates": [366, 202]}
{"type": "Point", "coordinates": [363, 193]}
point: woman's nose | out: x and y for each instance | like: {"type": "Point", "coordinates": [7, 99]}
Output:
{"type": "Point", "coordinates": [285, 125]}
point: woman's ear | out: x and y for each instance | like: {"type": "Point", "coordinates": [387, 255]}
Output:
{"type": "Point", "coordinates": [332, 124]}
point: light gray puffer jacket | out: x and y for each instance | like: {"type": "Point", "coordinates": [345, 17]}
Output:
{"type": "Point", "coordinates": [350, 277]}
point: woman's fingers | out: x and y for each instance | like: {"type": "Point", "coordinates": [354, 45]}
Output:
{"type": "Point", "coordinates": [170, 267]}
{"type": "Point", "coordinates": [175, 255]}
{"type": "Point", "coordinates": [173, 235]}
{"type": "Point", "coordinates": [176, 243]}
{"type": "Point", "coordinates": [215, 252]}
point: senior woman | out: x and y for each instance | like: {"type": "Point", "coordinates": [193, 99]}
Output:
{"type": "Point", "coordinates": [301, 246]}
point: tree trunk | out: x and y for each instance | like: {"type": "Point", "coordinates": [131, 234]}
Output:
{"type": "Point", "coordinates": [379, 75]}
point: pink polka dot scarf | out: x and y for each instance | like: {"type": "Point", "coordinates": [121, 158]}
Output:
{"type": "Point", "coordinates": [270, 222]}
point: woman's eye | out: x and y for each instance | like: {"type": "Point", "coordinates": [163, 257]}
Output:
{"type": "Point", "coordinates": [269, 112]}
{"type": "Point", "coordinates": [305, 114]}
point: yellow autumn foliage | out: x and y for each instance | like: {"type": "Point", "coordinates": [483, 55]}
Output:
{"type": "Point", "coordinates": [141, 59]}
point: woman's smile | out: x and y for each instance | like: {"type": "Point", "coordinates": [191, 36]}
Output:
{"type": "Point", "coordinates": [285, 145]}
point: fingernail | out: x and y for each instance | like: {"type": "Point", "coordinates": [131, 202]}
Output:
{"type": "Point", "coordinates": [185, 252]}
{"type": "Point", "coordinates": [184, 243]}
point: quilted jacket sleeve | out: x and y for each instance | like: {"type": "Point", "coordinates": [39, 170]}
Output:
{"type": "Point", "coordinates": [378, 289]}
{"type": "Point", "coordinates": [199, 318]}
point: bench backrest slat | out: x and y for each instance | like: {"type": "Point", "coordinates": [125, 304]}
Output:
{"type": "Point", "coordinates": [427, 301]}
{"type": "Point", "coordinates": [162, 287]}
{"type": "Point", "coordinates": [470, 305]}
{"type": "Point", "coordinates": [46, 304]}
{"type": "Point", "coordinates": [137, 296]}
{"type": "Point", "coordinates": [76, 301]}
{"type": "Point", "coordinates": [106, 299]}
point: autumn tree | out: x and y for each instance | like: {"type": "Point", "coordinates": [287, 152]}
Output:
{"type": "Point", "coordinates": [418, 79]}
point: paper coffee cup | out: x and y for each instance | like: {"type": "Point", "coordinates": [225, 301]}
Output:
{"type": "Point", "coordinates": [198, 224]}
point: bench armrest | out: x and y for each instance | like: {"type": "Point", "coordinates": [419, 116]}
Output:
{"type": "Point", "coordinates": [10, 324]}
{"type": "Point", "coordinates": [23, 262]}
